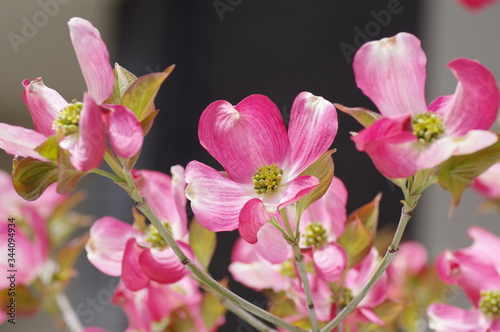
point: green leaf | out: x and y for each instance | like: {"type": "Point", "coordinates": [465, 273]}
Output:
{"type": "Point", "coordinates": [388, 311]}
{"type": "Point", "coordinates": [31, 177]}
{"type": "Point", "coordinates": [68, 176]}
{"type": "Point", "coordinates": [364, 116]}
{"type": "Point", "coordinates": [203, 242]}
{"type": "Point", "coordinates": [68, 255]}
{"type": "Point", "coordinates": [50, 148]}
{"type": "Point", "coordinates": [123, 79]}
{"type": "Point", "coordinates": [322, 169]}
{"type": "Point", "coordinates": [458, 172]}
{"type": "Point", "coordinates": [356, 241]}
{"type": "Point", "coordinates": [140, 95]}
{"type": "Point", "coordinates": [211, 311]}
{"type": "Point", "coordinates": [360, 231]}
{"type": "Point", "coordinates": [26, 303]}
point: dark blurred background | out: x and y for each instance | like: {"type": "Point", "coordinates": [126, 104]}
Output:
{"type": "Point", "coordinates": [229, 49]}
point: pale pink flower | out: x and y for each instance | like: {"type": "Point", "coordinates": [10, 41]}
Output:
{"type": "Point", "coordinates": [140, 256]}
{"type": "Point", "coordinates": [476, 270]}
{"type": "Point", "coordinates": [412, 136]}
{"type": "Point", "coordinates": [83, 125]}
{"type": "Point", "coordinates": [488, 183]}
{"type": "Point", "coordinates": [262, 161]}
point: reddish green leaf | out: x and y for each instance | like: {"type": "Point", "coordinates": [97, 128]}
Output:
{"type": "Point", "coordinates": [211, 311]}
{"type": "Point", "coordinates": [69, 254]}
{"type": "Point", "coordinates": [31, 177]}
{"type": "Point", "coordinates": [203, 243]}
{"type": "Point", "coordinates": [458, 172]}
{"type": "Point", "coordinates": [360, 231]}
{"type": "Point", "coordinates": [322, 169]}
{"type": "Point", "coordinates": [140, 95]}
{"type": "Point", "coordinates": [364, 116]}
{"type": "Point", "coordinates": [123, 79]}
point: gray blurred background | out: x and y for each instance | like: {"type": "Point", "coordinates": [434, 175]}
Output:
{"type": "Point", "coordinates": [229, 55]}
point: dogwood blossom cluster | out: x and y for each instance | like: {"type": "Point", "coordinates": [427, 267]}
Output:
{"type": "Point", "coordinates": [320, 267]}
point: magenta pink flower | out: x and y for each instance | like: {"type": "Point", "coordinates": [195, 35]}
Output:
{"type": "Point", "coordinates": [82, 125]}
{"type": "Point", "coordinates": [158, 305]}
{"type": "Point", "coordinates": [476, 270]}
{"type": "Point", "coordinates": [488, 183]}
{"type": "Point", "coordinates": [477, 4]}
{"type": "Point", "coordinates": [412, 136]}
{"type": "Point", "coordinates": [138, 256]}
{"type": "Point", "coordinates": [262, 162]}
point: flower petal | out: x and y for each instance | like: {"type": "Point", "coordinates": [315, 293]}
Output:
{"type": "Point", "coordinates": [44, 104]}
{"type": "Point", "coordinates": [93, 58]}
{"type": "Point", "coordinates": [486, 246]}
{"type": "Point", "coordinates": [312, 128]}
{"type": "Point", "coordinates": [88, 151]}
{"type": "Point", "coordinates": [253, 217]}
{"type": "Point", "coordinates": [447, 318]}
{"type": "Point", "coordinates": [271, 245]}
{"type": "Point", "coordinates": [106, 244]}
{"type": "Point", "coordinates": [156, 187]}
{"type": "Point", "coordinates": [253, 271]}
{"type": "Point", "coordinates": [133, 276]}
{"type": "Point", "coordinates": [19, 141]}
{"type": "Point", "coordinates": [488, 183]}
{"type": "Point", "coordinates": [163, 266]}
{"type": "Point", "coordinates": [216, 201]}
{"type": "Point", "coordinates": [330, 210]}
{"type": "Point", "coordinates": [475, 102]}
{"type": "Point", "coordinates": [469, 272]}
{"type": "Point", "coordinates": [391, 72]}
{"type": "Point", "coordinates": [330, 262]}
{"type": "Point", "coordinates": [125, 132]}
{"type": "Point", "coordinates": [244, 137]}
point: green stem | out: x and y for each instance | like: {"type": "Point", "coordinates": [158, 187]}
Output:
{"type": "Point", "coordinates": [301, 267]}
{"type": "Point", "coordinates": [250, 319]}
{"type": "Point", "coordinates": [406, 212]}
{"type": "Point", "coordinates": [114, 163]}
{"type": "Point", "coordinates": [106, 174]}
{"type": "Point", "coordinates": [144, 207]}
{"type": "Point", "coordinates": [68, 314]}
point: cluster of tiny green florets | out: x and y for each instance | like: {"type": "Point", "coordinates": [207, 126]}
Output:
{"type": "Point", "coordinates": [267, 178]}
{"type": "Point", "coordinates": [154, 237]}
{"type": "Point", "coordinates": [490, 302]}
{"type": "Point", "coordinates": [67, 121]}
{"type": "Point", "coordinates": [315, 235]}
{"type": "Point", "coordinates": [345, 297]}
{"type": "Point", "coordinates": [427, 126]}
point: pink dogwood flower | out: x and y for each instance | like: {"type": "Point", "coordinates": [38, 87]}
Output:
{"type": "Point", "coordinates": [140, 256]}
{"type": "Point", "coordinates": [488, 183]}
{"type": "Point", "coordinates": [411, 136]}
{"type": "Point", "coordinates": [477, 4]}
{"type": "Point", "coordinates": [262, 162]}
{"type": "Point", "coordinates": [476, 270]}
{"type": "Point", "coordinates": [82, 125]}
{"type": "Point", "coordinates": [161, 306]}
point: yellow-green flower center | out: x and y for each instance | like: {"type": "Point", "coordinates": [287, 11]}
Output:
{"type": "Point", "coordinates": [267, 178]}
{"type": "Point", "coordinates": [427, 126]}
{"type": "Point", "coordinates": [287, 268]}
{"type": "Point", "coordinates": [315, 235]}
{"type": "Point", "coordinates": [67, 121]}
{"type": "Point", "coordinates": [490, 302]}
{"type": "Point", "coordinates": [153, 236]}
{"type": "Point", "coordinates": [345, 298]}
